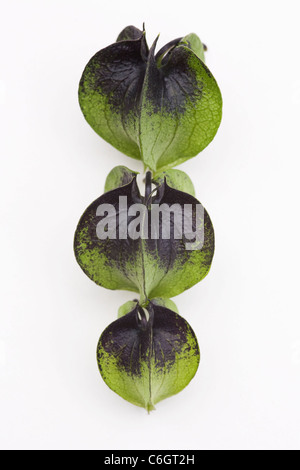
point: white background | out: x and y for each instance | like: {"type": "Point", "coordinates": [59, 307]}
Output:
{"type": "Point", "coordinates": [245, 313]}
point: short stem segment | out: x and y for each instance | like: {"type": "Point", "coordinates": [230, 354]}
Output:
{"type": "Point", "coordinates": [148, 188]}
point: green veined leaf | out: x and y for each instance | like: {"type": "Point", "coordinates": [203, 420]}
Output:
{"type": "Point", "coordinates": [162, 109]}
{"type": "Point", "coordinates": [148, 263]}
{"type": "Point", "coordinates": [176, 179]}
{"type": "Point", "coordinates": [148, 355]}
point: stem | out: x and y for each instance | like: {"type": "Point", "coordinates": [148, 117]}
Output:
{"type": "Point", "coordinates": [148, 188]}
{"type": "Point", "coordinates": [147, 201]}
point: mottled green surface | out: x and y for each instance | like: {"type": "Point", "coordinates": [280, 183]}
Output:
{"type": "Point", "coordinates": [148, 355]}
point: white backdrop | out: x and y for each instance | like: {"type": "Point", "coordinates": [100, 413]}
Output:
{"type": "Point", "coordinates": [245, 313]}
